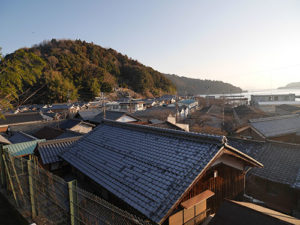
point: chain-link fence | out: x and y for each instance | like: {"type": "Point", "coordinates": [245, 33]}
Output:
{"type": "Point", "coordinates": [48, 199]}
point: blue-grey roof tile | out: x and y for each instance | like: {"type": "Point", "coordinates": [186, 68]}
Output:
{"type": "Point", "coordinates": [147, 167]}
{"type": "Point", "coordinates": [50, 150]}
{"type": "Point", "coordinates": [19, 137]}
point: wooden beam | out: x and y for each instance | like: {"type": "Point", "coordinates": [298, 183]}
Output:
{"type": "Point", "coordinates": [197, 199]}
{"type": "Point", "coordinates": [73, 201]}
{"type": "Point", "coordinates": [31, 191]}
{"type": "Point", "coordinates": [10, 180]}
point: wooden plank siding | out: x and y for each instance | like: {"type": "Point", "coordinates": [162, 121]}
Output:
{"type": "Point", "coordinates": [228, 184]}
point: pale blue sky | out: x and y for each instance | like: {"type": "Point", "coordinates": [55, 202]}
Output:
{"type": "Point", "coordinates": [254, 44]}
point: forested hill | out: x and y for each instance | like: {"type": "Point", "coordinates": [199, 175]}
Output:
{"type": "Point", "coordinates": [190, 86]}
{"type": "Point", "coordinates": [62, 70]}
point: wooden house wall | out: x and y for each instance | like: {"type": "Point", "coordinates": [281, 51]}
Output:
{"type": "Point", "coordinates": [280, 197]}
{"type": "Point", "coordinates": [228, 184]}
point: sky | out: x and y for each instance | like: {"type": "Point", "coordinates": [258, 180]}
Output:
{"type": "Point", "coordinates": [253, 44]}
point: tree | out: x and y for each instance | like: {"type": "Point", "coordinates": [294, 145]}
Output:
{"type": "Point", "coordinates": [19, 72]}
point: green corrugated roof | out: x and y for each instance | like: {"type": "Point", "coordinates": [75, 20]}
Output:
{"type": "Point", "coordinates": [24, 148]}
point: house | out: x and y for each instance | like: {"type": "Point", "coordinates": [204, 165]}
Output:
{"type": "Point", "coordinates": [167, 125]}
{"type": "Point", "coordinates": [48, 152]}
{"type": "Point", "coordinates": [160, 174]}
{"type": "Point", "coordinates": [48, 133]}
{"type": "Point", "coordinates": [148, 103]}
{"type": "Point", "coordinates": [243, 113]}
{"type": "Point", "coordinates": [76, 125]}
{"type": "Point", "coordinates": [255, 99]}
{"type": "Point", "coordinates": [69, 134]}
{"type": "Point", "coordinates": [88, 114]}
{"type": "Point", "coordinates": [237, 213]}
{"type": "Point", "coordinates": [281, 128]}
{"type": "Point", "coordinates": [277, 184]}
{"type": "Point", "coordinates": [268, 103]}
{"type": "Point", "coordinates": [166, 99]}
{"type": "Point", "coordinates": [19, 119]}
{"type": "Point", "coordinates": [20, 136]}
{"type": "Point", "coordinates": [131, 106]}
{"type": "Point", "coordinates": [64, 107]}
{"type": "Point", "coordinates": [115, 116]}
{"type": "Point", "coordinates": [22, 149]}
{"type": "Point", "coordinates": [287, 109]}
{"type": "Point", "coordinates": [162, 112]}
{"type": "Point", "coordinates": [191, 104]}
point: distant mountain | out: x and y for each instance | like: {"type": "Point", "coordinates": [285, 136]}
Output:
{"type": "Point", "coordinates": [190, 86]}
{"type": "Point", "coordinates": [62, 70]}
{"type": "Point", "coordinates": [294, 85]}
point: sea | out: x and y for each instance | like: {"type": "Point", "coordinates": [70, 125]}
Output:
{"type": "Point", "coordinates": [260, 92]}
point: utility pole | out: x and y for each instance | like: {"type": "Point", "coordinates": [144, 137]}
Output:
{"type": "Point", "coordinates": [103, 105]}
{"type": "Point", "coordinates": [129, 103]}
{"type": "Point", "coordinates": [177, 111]}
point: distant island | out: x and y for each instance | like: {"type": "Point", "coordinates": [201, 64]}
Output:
{"type": "Point", "coordinates": [190, 86]}
{"type": "Point", "coordinates": [294, 85]}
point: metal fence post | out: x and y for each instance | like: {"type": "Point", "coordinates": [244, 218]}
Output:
{"type": "Point", "coordinates": [73, 201]}
{"type": "Point", "coordinates": [29, 166]}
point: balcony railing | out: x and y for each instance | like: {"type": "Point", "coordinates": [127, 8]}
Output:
{"type": "Point", "coordinates": [199, 218]}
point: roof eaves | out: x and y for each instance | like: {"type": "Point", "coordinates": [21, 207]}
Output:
{"type": "Point", "coordinates": [254, 162]}
{"type": "Point", "coordinates": [191, 185]}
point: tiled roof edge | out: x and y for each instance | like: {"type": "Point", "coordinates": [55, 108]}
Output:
{"type": "Point", "coordinates": [59, 140]}
{"type": "Point", "coordinates": [216, 139]}
{"type": "Point", "coordinates": [273, 118]}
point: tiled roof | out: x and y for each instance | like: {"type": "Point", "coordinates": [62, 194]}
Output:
{"type": "Point", "coordinates": [88, 114]}
{"type": "Point", "coordinates": [68, 134]}
{"type": "Point", "coordinates": [147, 167]}
{"type": "Point", "coordinates": [281, 160]}
{"type": "Point", "coordinates": [67, 124]}
{"type": "Point", "coordinates": [289, 108]}
{"type": "Point", "coordinates": [21, 118]}
{"type": "Point", "coordinates": [187, 101]}
{"type": "Point", "coordinates": [50, 150]}
{"type": "Point", "coordinates": [60, 106]}
{"type": "Point", "coordinates": [166, 124]}
{"type": "Point", "coordinates": [111, 115]}
{"type": "Point", "coordinates": [19, 137]}
{"type": "Point", "coordinates": [24, 148]}
{"type": "Point", "coordinates": [276, 126]}
{"type": "Point", "coordinates": [48, 133]}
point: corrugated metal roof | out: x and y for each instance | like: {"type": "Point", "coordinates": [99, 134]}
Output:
{"type": "Point", "coordinates": [24, 148]}
{"type": "Point", "coordinates": [276, 126]}
{"type": "Point", "coordinates": [50, 150]}
{"type": "Point", "coordinates": [147, 167]}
